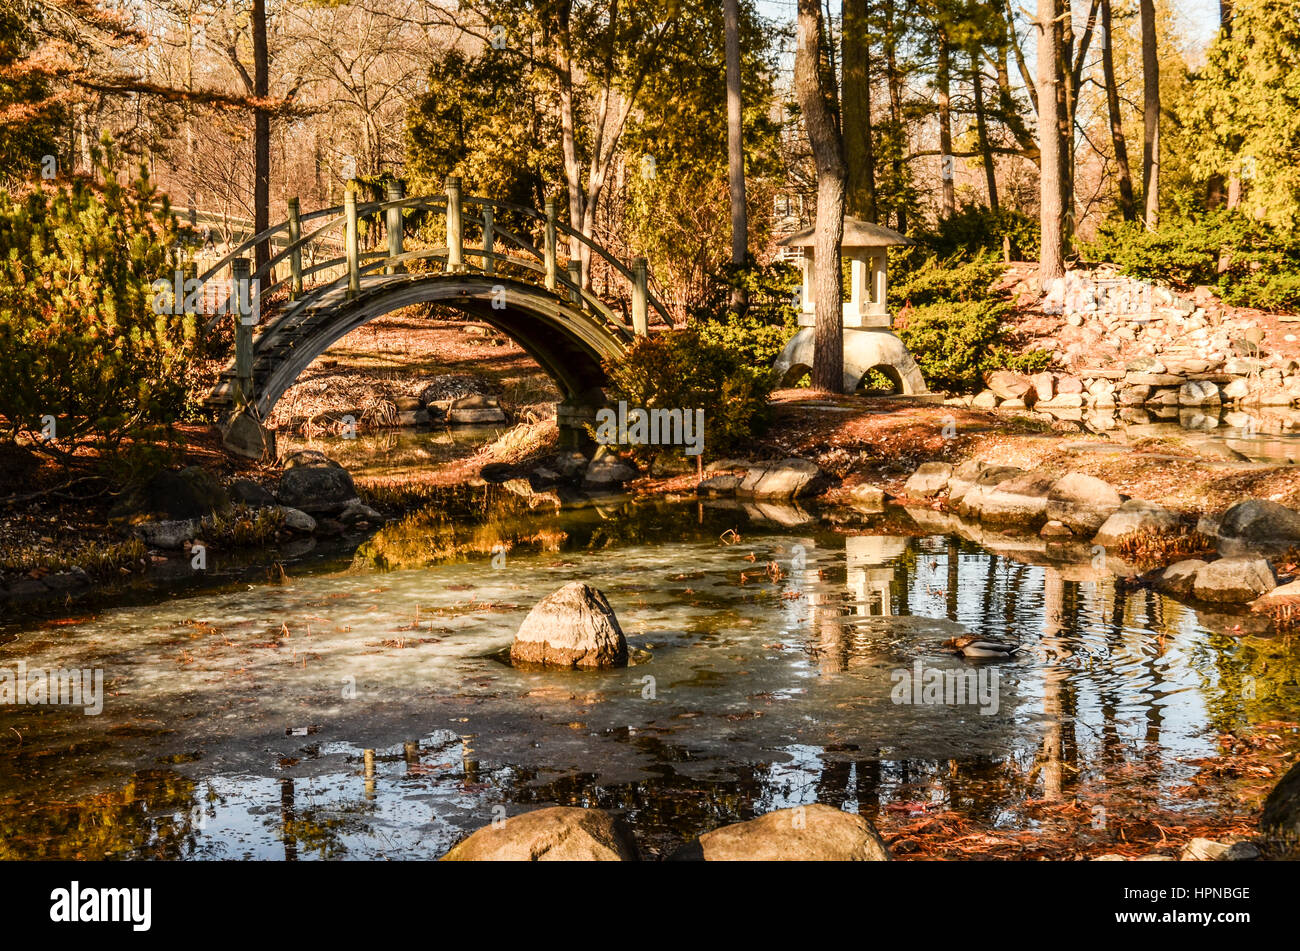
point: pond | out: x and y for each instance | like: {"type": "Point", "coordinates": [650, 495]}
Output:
{"type": "Point", "coordinates": [778, 657]}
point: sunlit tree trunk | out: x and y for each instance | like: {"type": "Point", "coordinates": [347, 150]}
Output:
{"type": "Point", "coordinates": [261, 132]}
{"type": "Point", "coordinates": [735, 148]}
{"type": "Point", "coordinates": [856, 88]}
{"type": "Point", "coordinates": [1150, 116]}
{"type": "Point", "coordinates": [828, 156]}
{"type": "Point", "coordinates": [1052, 252]}
{"type": "Point", "coordinates": [943, 76]}
{"type": "Point", "coordinates": [1128, 207]}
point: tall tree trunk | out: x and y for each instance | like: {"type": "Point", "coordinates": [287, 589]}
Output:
{"type": "Point", "coordinates": [1065, 117]}
{"type": "Point", "coordinates": [982, 126]}
{"type": "Point", "coordinates": [1127, 206]}
{"type": "Point", "coordinates": [735, 148]}
{"type": "Point", "coordinates": [261, 133]}
{"type": "Point", "coordinates": [1052, 252]}
{"type": "Point", "coordinates": [856, 89]}
{"type": "Point", "coordinates": [943, 75]}
{"type": "Point", "coordinates": [828, 155]}
{"type": "Point", "coordinates": [1150, 116]}
{"type": "Point", "coordinates": [895, 83]}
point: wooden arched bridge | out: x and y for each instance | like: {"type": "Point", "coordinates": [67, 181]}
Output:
{"type": "Point", "coordinates": [529, 293]}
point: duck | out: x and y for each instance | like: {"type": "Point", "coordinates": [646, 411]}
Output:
{"type": "Point", "coordinates": [977, 645]}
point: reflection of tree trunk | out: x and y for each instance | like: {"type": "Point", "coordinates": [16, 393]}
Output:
{"type": "Point", "coordinates": [828, 622]}
{"type": "Point", "coordinates": [954, 573]}
{"type": "Point", "coordinates": [288, 816]}
{"type": "Point", "coordinates": [1050, 755]}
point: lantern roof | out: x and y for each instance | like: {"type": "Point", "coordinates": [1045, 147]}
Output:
{"type": "Point", "coordinates": [857, 234]}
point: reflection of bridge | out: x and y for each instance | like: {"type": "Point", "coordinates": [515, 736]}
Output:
{"type": "Point", "coordinates": [526, 292]}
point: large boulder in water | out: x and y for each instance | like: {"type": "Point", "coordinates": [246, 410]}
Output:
{"type": "Point", "coordinates": [1082, 502]}
{"type": "Point", "coordinates": [1233, 580]}
{"type": "Point", "coordinates": [192, 492]}
{"type": "Point", "coordinates": [1258, 525]}
{"type": "Point", "coordinates": [1135, 515]}
{"type": "Point", "coordinates": [816, 833]}
{"type": "Point", "coordinates": [1016, 504]}
{"type": "Point", "coordinates": [574, 627]}
{"type": "Point", "coordinates": [317, 486]}
{"type": "Point", "coordinates": [557, 834]}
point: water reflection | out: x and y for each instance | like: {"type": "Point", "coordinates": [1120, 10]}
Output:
{"type": "Point", "coordinates": [229, 730]}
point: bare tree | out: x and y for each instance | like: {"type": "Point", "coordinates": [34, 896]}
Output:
{"type": "Point", "coordinates": [1126, 204]}
{"type": "Point", "coordinates": [817, 106]}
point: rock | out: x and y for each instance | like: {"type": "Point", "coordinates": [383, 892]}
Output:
{"type": "Point", "coordinates": [1133, 395]}
{"type": "Point", "coordinates": [317, 489]}
{"type": "Point", "coordinates": [1207, 850]}
{"type": "Point", "coordinates": [408, 404]}
{"type": "Point", "coordinates": [786, 479]}
{"type": "Point", "coordinates": [357, 511]}
{"type": "Point", "coordinates": [1012, 405]}
{"type": "Point", "coordinates": [1135, 515]}
{"type": "Point", "coordinates": [1177, 580]}
{"type": "Point", "coordinates": [1069, 384]}
{"type": "Point", "coordinates": [245, 436]}
{"type": "Point", "coordinates": [1054, 529]}
{"type": "Point", "coordinates": [542, 477]}
{"type": "Point", "coordinates": [557, 834]}
{"type": "Point", "coordinates": [986, 399]}
{"type": "Point", "coordinates": [309, 458]}
{"type": "Point", "coordinates": [568, 464]}
{"type": "Point", "coordinates": [1281, 813]}
{"type": "Point", "coordinates": [250, 493]}
{"type": "Point", "coordinates": [870, 497]}
{"type": "Point", "coordinates": [450, 387]}
{"type": "Point", "coordinates": [190, 493]}
{"type": "Point", "coordinates": [1198, 393]}
{"type": "Point", "coordinates": [1153, 379]}
{"type": "Point", "coordinates": [297, 520]}
{"type": "Point", "coordinates": [1258, 525]}
{"type": "Point", "coordinates": [1236, 390]}
{"type": "Point", "coordinates": [1062, 401]}
{"type": "Point", "coordinates": [63, 581]}
{"type": "Point", "coordinates": [929, 479]}
{"type": "Point", "coordinates": [971, 501]}
{"type": "Point", "coordinates": [1082, 502]}
{"type": "Point", "coordinates": [1019, 503]}
{"type": "Point", "coordinates": [1242, 366]}
{"type": "Point", "coordinates": [817, 833]}
{"type": "Point", "coordinates": [724, 483]}
{"type": "Point", "coordinates": [413, 417]}
{"type": "Point", "coordinates": [170, 534]}
{"type": "Point", "coordinates": [608, 468]}
{"type": "Point", "coordinates": [1044, 385]}
{"type": "Point", "coordinates": [1007, 384]}
{"type": "Point", "coordinates": [475, 409]}
{"type": "Point", "coordinates": [1233, 580]}
{"type": "Point", "coordinates": [573, 627]}
{"type": "Point", "coordinates": [963, 477]}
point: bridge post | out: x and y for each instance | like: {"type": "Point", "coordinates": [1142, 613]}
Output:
{"type": "Point", "coordinates": [295, 252]}
{"type": "Point", "coordinates": [240, 271]}
{"type": "Point", "coordinates": [575, 277]}
{"type": "Point", "coordinates": [351, 243]}
{"type": "Point", "coordinates": [489, 238]}
{"type": "Point", "coordinates": [552, 277]}
{"type": "Point", "coordinates": [395, 191]}
{"type": "Point", "coordinates": [455, 232]}
{"type": "Point", "coordinates": [641, 297]}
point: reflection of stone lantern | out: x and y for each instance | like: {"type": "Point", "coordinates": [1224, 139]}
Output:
{"type": "Point", "coordinates": [869, 344]}
{"type": "Point", "coordinates": [870, 575]}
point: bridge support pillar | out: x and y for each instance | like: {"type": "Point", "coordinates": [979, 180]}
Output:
{"type": "Point", "coordinates": [239, 272]}
{"type": "Point", "coordinates": [552, 275]}
{"type": "Point", "coordinates": [395, 191]}
{"type": "Point", "coordinates": [455, 228]}
{"type": "Point", "coordinates": [573, 416]}
{"type": "Point", "coordinates": [352, 240]}
{"type": "Point", "coordinates": [641, 297]}
{"type": "Point", "coordinates": [295, 252]}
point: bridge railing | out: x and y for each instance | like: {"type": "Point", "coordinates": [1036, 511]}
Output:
{"type": "Point", "coordinates": [346, 219]}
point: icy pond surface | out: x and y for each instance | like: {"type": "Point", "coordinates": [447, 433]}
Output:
{"type": "Point", "coordinates": [767, 644]}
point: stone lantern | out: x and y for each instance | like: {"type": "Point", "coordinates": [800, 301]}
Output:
{"type": "Point", "coordinates": [869, 343]}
